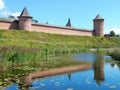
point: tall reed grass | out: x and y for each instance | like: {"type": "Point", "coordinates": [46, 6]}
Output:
{"type": "Point", "coordinates": [15, 56]}
{"type": "Point", "coordinates": [115, 53]}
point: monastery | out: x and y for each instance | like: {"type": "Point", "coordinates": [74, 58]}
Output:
{"type": "Point", "coordinates": [24, 22]}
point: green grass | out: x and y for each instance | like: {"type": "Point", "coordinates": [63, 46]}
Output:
{"type": "Point", "coordinates": [36, 39]}
{"type": "Point", "coordinates": [22, 52]}
{"type": "Point", "coordinates": [115, 53]}
{"type": "Point", "coordinates": [20, 48]}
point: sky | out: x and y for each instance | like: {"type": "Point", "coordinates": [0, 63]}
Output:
{"type": "Point", "coordinates": [57, 12]}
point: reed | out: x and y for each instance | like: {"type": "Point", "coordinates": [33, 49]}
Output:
{"type": "Point", "coordinates": [115, 53]}
{"type": "Point", "coordinates": [20, 48]}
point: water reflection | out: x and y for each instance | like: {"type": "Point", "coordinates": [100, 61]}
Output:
{"type": "Point", "coordinates": [98, 64]}
{"type": "Point", "coordinates": [98, 78]}
{"type": "Point", "coordinates": [69, 76]}
{"type": "Point", "coordinates": [114, 63]}
{"type": "Point", "coordinates": [87, 57]}
{"type": "Point", "coordinates": [25, 83]}
{"type": "Point", "coordinates": [99, 69]}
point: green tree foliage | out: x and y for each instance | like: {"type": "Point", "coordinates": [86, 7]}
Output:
{"type": "Point", "coordinates": [118, 35]}
{"type": "Point", "coordinates": [11, 17]}
{"type": "Point", "coordinates": [112, 34]}
{"type": "Point", "coordinates": [34, 20]}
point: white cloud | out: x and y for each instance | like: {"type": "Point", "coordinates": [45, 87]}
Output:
{"type": "Point", "coordinates": [116, 30]}
{"type": "Point", "coordinates": [16, 14]}
{"type": "Point", "coordinates": [2, 5]}
{"type": "Point", "coordinates": [8, 13]}
{"type": "Point", "coordinates": [5, 11]}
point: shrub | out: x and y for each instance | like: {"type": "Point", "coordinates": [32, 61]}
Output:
{"type": "Point", "coordinates": [115, 53]}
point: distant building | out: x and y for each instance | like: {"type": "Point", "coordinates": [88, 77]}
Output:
{"type": "Point", "coordinates": [24, 22]}
{"type": "Point", "coordinates": [107, 35]}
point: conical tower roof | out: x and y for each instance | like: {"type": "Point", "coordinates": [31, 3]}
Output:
{"type": "Point", "coordinates": [25, 13]}
{"type": "Point", "coordinates": [99, 82]}
{"type": "Point", "coordinates": [68, 23]}
{"type": "Point", "coordinates": [98, 17]}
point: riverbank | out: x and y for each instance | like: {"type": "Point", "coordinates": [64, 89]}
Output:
{"type": "Point", "coordinates": [36, 50]}
{"type": "Point", "coordinates": [25, 52]}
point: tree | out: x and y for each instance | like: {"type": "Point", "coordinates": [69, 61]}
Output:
{"type": "Point", "coordinates": [11, 17]}
{"type": "Point", "coordinates": [34, 20]}
{"type": "Point", "coordinates": [118, 35]}
{"type": "Point", "coordinates": [112, 34]}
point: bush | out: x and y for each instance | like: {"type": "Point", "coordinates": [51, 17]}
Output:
{"type": "Point", "coordinates": [115, 53]}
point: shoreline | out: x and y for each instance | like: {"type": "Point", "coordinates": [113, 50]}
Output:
{"type": "Point", "coordinates": [58, 71]}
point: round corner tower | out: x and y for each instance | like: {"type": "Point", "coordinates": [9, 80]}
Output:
{"type": "Point", "coordinates": [98, 26]}
{"type": "Point", "coordinates": [25, 20]}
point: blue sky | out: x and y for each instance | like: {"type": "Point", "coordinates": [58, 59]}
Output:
{"type": "Point", "coordinates": [57, 12]}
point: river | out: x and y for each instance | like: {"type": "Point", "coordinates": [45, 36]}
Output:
{"type": "Point", "coordinates": [103, 76]}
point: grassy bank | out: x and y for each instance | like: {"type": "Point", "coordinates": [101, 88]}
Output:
{"type": "Point", "coordinates": [115, 53]}
{"type": "Point", "coordinates": [22, 52]}
{"type": "Point", "coordinates": [20, 48]}
{"type": "Point", "coordinates": [40, 40]}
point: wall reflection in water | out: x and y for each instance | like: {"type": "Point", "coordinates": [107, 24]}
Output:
{"type": "Point", "coordinates": [98, 67]}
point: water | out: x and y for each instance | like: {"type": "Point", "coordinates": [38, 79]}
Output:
{"type": "Point", "coordinates": [103, 76]}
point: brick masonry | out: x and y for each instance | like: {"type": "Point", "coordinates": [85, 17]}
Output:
{"type": "Point", "coordinates": [60, 30]}
{"type": "Point", "coordinates": [24, 22]}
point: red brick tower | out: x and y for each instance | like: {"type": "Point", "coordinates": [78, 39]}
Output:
{"type": "Point", "coordinates": [25, 20]}
{"type": "Point", "coordinates": [98, 26]}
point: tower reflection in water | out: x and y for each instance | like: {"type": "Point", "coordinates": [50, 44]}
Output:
{"type": "Point", "coordinates": [98, 66]}
{"type": "Point", "coordinates": [99, 69]}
